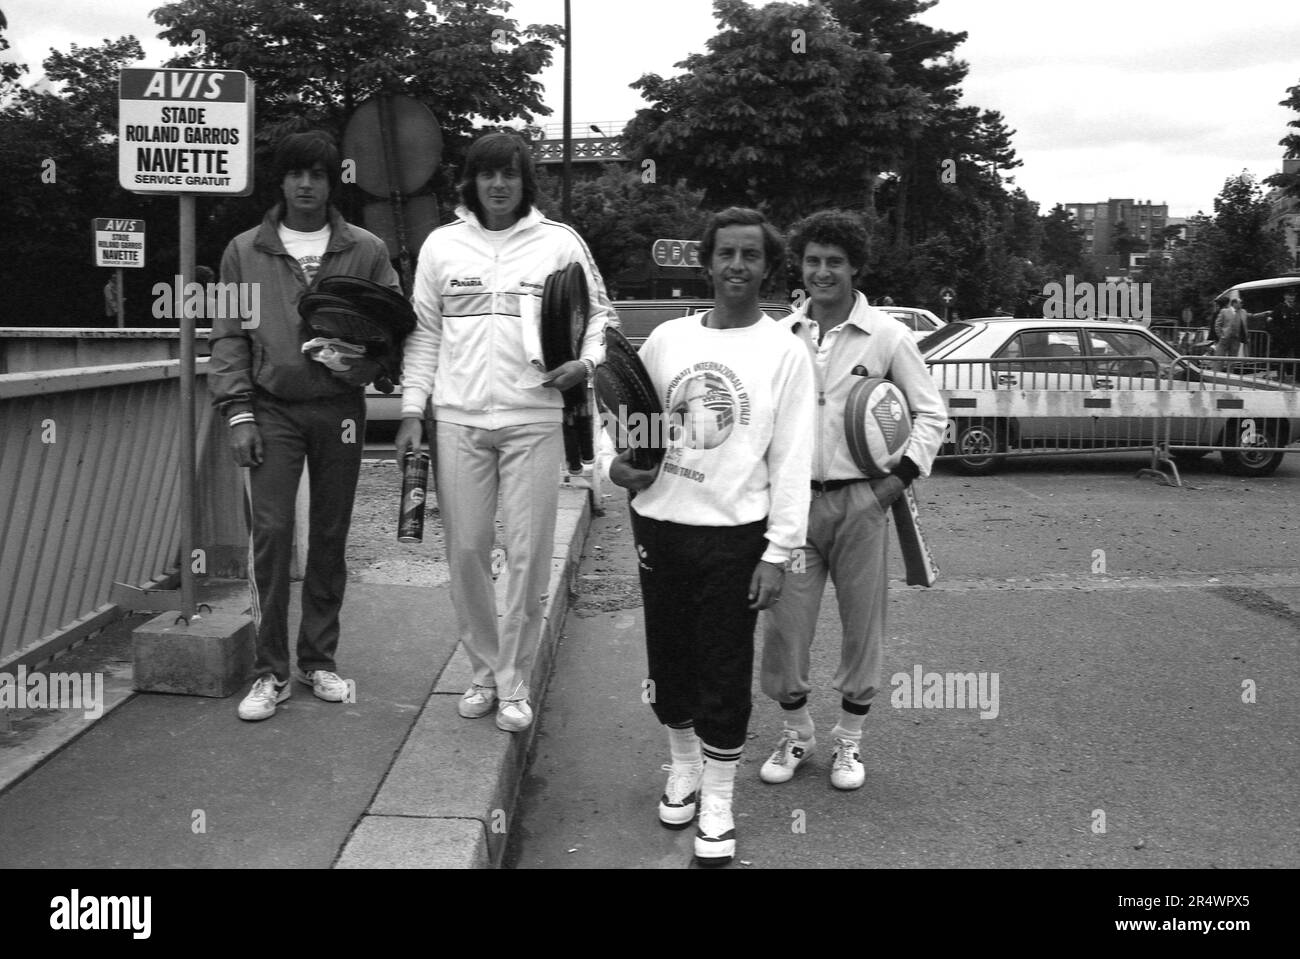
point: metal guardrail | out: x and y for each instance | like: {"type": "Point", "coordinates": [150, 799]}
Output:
{"type": "Point", "coordinates": [89, 463]}
{"type": "Point", "coordinates": [1015, 407]}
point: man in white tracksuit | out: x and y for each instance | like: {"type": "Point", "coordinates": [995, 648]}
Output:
{"type": "Point", "coordinates": [499, 419]}
{"type": "Point", "coordinates": [848, 532]}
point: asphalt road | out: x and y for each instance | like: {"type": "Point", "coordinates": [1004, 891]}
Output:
{"type": "Point", "coordinates": [1126, 621]}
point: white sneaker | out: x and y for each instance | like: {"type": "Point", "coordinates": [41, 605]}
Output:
{"type": "Point", "coordinates": [677, 805]}
{"type": "Point", "coordinates": [262, 699]}
{"type": "Point", "coordinates": [790, 752]}
{"type": "Point", "coordinates": [325, 685]}
{"type": "Point", "coordinates": [846, 765]}
{"type": "Point", "coordinates": [514, 715]}
{"type": "Point", "coordinates": [477, 702]}
{"type": "Point", "coordinates": [715, 835]}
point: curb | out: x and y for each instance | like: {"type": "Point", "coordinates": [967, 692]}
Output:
{"type": "Point", "coordinates": [421, 817]}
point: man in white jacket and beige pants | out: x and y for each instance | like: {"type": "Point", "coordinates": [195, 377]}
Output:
{"type": "Point", "coordinates": [499, 420]}
{"type": "Point", "coordinates": [848, 524]}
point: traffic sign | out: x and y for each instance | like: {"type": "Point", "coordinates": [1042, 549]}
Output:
{"type": "Point", "coordinates": [185, 132]}
{"type": "Point", "coordinates": [947, 294]}
{"type": "Point", "coordinates": [119, 242]}
{"type": "Point", "coordinates": [684, 253]}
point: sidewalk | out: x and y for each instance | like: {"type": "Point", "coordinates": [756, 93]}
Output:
{"type": "Point", "coordinates": [397, 779]}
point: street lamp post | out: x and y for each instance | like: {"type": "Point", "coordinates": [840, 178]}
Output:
{"type": "Point", "coordinates": [567, 169]}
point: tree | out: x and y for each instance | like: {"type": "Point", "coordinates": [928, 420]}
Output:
{"type": "Point", "coordinates": [1289, 183]}
{"type": "Point", "coordinates": [1232, 247]}
{"type": "Point", "coordinates": [1125, 243]}
{"type": "Point", "coordinates": [10, 72]}
{"type": "Point", "coordinates": [58, 170]}
{"type": "Point", "coordinates": [1062, 250]}
{"type": "Point", "coordinates": [620, 215]}
{"type": "Point", "coordinates": [1247, 248]}
{"type": "Point", "coordinates": [786, 112]}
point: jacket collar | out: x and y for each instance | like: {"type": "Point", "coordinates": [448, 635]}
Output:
{"type": "Point", "coordinates": [268, 234]}
{"type": "Point", "coordinates": [863, 315]}
{"type": "Point", "coordinates": [531, 218]}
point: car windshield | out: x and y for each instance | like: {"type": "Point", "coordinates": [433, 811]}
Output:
{"type": "Point", "coordinates": [942, 335]}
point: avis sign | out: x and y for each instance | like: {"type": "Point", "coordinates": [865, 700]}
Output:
{"type": "Point", "coordinates": [119, 242]}
{"type": "Point", "coordinates": [185, 131]}
{"type": "Point", "coordinates": [676, 252]}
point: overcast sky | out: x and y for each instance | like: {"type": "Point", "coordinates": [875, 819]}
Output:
{"type": "Point", "coordinates": [1147, 99]}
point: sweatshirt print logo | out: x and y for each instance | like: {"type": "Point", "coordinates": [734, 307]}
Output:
{"type": "Point", "coordinates": [702, 412]}
{"type": "Point", "coordinates": [468, 281]}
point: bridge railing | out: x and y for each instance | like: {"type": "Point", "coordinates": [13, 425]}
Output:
{"type": "Point", "coordinates": [90, 496]}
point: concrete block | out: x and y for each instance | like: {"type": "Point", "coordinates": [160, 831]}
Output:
{"type": "Point", "coordinates": [383, 842]}
{"type": "Point", "coordinates": [211, 656]}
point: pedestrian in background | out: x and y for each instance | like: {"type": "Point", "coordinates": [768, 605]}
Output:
{"type": "Point", "coordinates": [284, 408]}
{"type": "Point", "coordinates": [1284, 327]}
{"type": "Point", "coordinates": [715, 525]}
{"type": "Point", "coordinates": [498, 419]}
{"type": "Point", "coordinates": [848, 522]}
{"type": "Point", "coordinates": [1232, 326]}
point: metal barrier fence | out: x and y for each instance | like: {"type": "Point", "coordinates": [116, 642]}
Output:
{"type": "Point", "coordinates": [88, 465]}
{"type": "Point", "coordinates": [1196, 340]}
{"type": "Point", "coordinates": [1246, 407]}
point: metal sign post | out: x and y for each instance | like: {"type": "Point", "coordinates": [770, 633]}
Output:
{"type": "Point", "coordinates": [184, 132]}
{"type": "Point", "coordinates": [119, 243]}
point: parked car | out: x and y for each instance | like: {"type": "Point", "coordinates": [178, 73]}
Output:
{"type": "Point", "coordinates": [1092, 356]}
{"type": "Point", "coordinates": [921, 322]}
{"type": "Point", "coordinates": [637, 318]}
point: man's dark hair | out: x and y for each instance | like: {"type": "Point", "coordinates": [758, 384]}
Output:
{"type": "Point", "coordinates": [833, 228]}
{"type": "Point", "coordinates": [492, 152]}
{"type": "Point", "coordinates": [302, 151]}
{"type": "Point", "coordinates": [773, 245]}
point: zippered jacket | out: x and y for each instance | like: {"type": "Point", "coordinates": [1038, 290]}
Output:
{"type": "Point", "coordinates": [883, 347]}
{"type": "Point", "coordinates": [468, 349]}
{"type": "Point", "coordinates": [268, 355]}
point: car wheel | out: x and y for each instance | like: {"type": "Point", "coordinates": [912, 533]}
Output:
{"type": "Point", "coordinates": [979, 446]}
{"type": "Point", "coordinates": [1249, 461]}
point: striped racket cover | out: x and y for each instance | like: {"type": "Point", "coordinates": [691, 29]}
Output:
{"type": "Point", "coordinates": [877, 423]}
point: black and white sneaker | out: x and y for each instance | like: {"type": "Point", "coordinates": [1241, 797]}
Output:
{"type": "Point", "coordinates": [715, 835]}
{"type": "Point", "coordinates": [681, 794]}
{"type": "Point", "coordinates": [787, 756]}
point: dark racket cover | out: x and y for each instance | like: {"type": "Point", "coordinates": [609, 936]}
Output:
{"type": "Point", "coordinates": [565, 309]}
{"type": "Point", "coordinates": [360, 311]}
{"type": "Point", "coordinates": [627, 395]}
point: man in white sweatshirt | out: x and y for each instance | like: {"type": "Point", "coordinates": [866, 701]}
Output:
{"type": "Point", "coordinates": [716, 523]}
{"type": "Point", "coordinates": [479, 279]}
{"type": "Point", "coordinates": [848, 531]}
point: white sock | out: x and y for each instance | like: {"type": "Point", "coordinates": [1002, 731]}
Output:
{"type": "Point", "coordinates": [685, 747]}
{"type": "Point", "coordinates": [800, 720]}
{"type": "Point", "coordinates": [719, 773]}
{"type": "Point", "coordinates": [849, 726]}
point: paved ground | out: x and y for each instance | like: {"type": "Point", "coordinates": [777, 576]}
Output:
{"type": "Point", "coordinates": [395, 779]}
{"type": "Point", "coordinates": [1120, 692]}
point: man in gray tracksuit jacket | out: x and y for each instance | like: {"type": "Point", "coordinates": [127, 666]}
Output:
{"type": "Point", "coordinates": [283, 407]}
